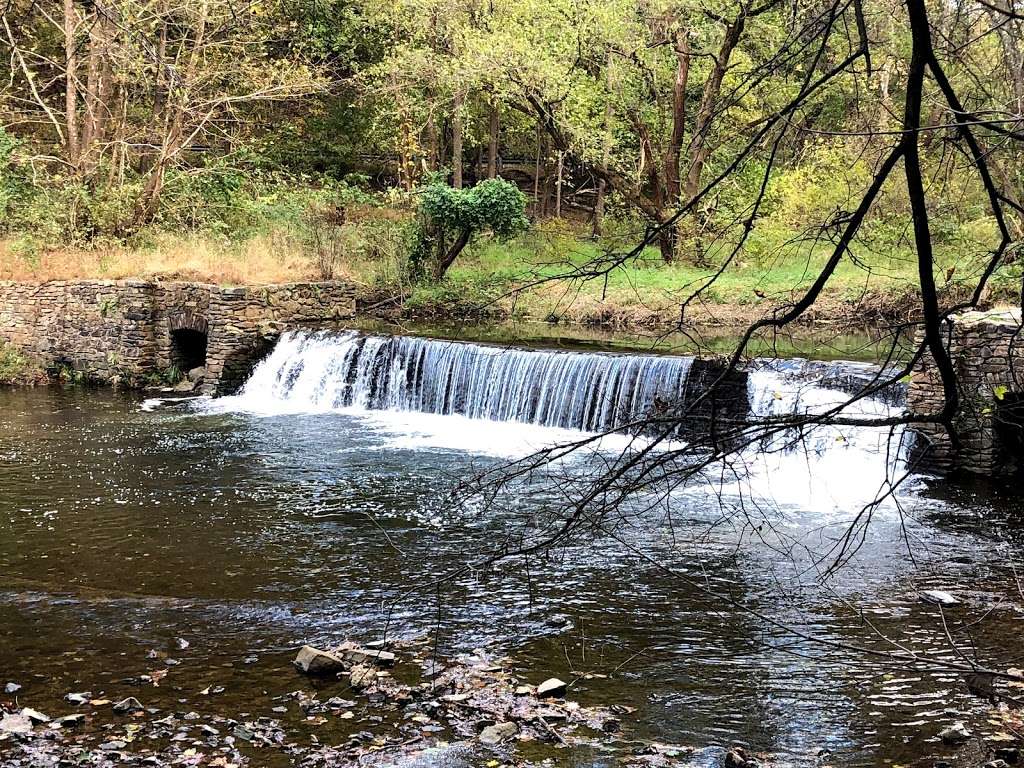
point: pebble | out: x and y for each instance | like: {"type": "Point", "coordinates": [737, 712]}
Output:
{"type": "Point", "coordinates": [938, 597]}
{"type": "Point", "coordinates": [955, 733]}
{"type": "Point", "coordinates": [126, 706]}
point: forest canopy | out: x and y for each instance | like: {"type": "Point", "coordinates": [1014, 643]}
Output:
{"type": "Point", "coordinates": [120, 118]}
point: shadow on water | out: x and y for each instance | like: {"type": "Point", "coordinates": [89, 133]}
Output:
{"type": "Point", "coordinates": [125, 530]}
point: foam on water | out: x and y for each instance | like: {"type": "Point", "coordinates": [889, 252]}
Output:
{"type": "Point", "coordinates": [820, 469]}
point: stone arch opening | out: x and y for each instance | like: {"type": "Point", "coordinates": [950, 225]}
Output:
{"type": "Point", "coordinates": [188, 349]}
{"type": "Point", "coordinates": [189, 340]}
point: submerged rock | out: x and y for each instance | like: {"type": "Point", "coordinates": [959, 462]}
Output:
{"type": "Point", "coordinates": [17, 724]}
{"type": "Point", "coordinates": [68, 721]}
{"type": "Point", "coordinates": [955, 733]}
{"type": "Point", "coordinates": [362, 676]}
{"type": "Point", "coordinates": [737, 757]}
{"type": "Point", "coordinates": [1009, 754]}
{"type": "Point", "coordinates": [552, 687]}
{"type": "Point", "coordinates": [497, 733]}
{"type": "Point", "coordinates": [313, 661]}
{"type": "Point", "coordinates": [358, 655]}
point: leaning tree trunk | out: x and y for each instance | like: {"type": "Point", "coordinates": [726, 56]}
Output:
{"type": "Point", "coordinates": [448, 256]}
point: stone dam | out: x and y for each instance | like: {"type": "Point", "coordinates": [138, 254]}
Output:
{"type": "Point", "coordinates": [134, 332]}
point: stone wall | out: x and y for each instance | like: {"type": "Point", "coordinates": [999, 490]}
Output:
{"type": "Point", "coordinates": [128, 330]}
{"type": "Point", "coordinates": [245, 322]}
{"type": "Point", "coordinates": [987, 350]}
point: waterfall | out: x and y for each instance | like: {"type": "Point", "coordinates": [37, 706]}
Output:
{"type": "Point", "coordinates": [319, 372]}
{"type": "Point", "coordinates": [823, 467]}
{"type": "Point", "coordinates": [592, 392]}
{"type": "Point", "coordinates": [402, 388]}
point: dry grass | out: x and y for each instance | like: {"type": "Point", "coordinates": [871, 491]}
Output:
{"type": "Point", "coordinates": [262, 259]}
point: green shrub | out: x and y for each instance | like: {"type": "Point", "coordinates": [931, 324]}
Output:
{"type": "Point", "coordinates": [452, 218]}
{"type": "Point", "coordinates": [16, 368]}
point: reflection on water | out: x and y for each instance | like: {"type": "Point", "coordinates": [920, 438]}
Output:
{"type": "Point", "coordinates": [247, 534]}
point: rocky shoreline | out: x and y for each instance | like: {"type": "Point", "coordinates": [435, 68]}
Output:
{"type": "Point", "coordinates": [373, 706]}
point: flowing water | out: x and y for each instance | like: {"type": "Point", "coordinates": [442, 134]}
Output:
{"type": "Point", "coordinates": [304, 507]}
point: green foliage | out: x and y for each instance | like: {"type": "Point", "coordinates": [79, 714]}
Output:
{"type": "Point", "coordinates": [452, 218]}
{"type": "Point", "coordinates": [13, 185]}
{"type": "Point", "coordinates": [471, 293]}
{"type": "Point", "coordinates": [295, 111]}
{"type": "Point", "coordinates": [494, 205]}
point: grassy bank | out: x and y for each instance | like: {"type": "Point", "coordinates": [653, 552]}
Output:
{"type": "Point", "coordinates": [553, 272]}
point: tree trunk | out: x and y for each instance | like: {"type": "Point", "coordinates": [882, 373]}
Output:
{"type": "Point", "coordinates": [449, 256]}
{"type": "Point", "coordinates": [675, 145]}
{"type": "Point", "coordinates": [536, 176]}
{"type": "Point", "coordinates": [433, 145]}
{"type": "Point", "coordinates": [492, 145]}
{"type": "Point", "coordinates": [699, 150]}
{"type": "Point", "coordinates": [173, 140]}
{"type": "Point", "coordinates": [885, 110]}
{"type": "Point", "coordinates": [606, 151]}
{"type": "Point", "coordinates": [457, 140]}
{"type": "Point", "coordinates": [668, 242]}
{"type": "Point", "coordinates": [159, 86]}
{"type": "Point", "coordinates": [107, 95]}
{"type": "Point", "coordinates": [70, 82]}
{"type": "Point", "coordinates": [558, 185]}
{"type": "Point", "coordinates": [92, 90]}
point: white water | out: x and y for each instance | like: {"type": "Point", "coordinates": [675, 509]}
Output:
{"type": "Point", "coordinates": [318, 373]}
{"type": "Point", "coordinates": [425, 394]}
{"type": "Point", "coordinates": [822, 469]}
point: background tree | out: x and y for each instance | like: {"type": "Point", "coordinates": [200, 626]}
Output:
{"type": "Point", "coordinates": [453, 217]}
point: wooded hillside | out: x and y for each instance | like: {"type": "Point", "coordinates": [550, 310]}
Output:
{"type": "Point", "coordinates": [763, 121]}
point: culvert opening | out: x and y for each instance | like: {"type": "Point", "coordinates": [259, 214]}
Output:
{"type": "Point", "coordinates": [1009, 428]}
{"type": "Point", "coordinates": [188, 349]}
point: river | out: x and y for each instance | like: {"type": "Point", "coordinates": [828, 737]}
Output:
{"type": "Point", "coordinates": [247, 526]}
